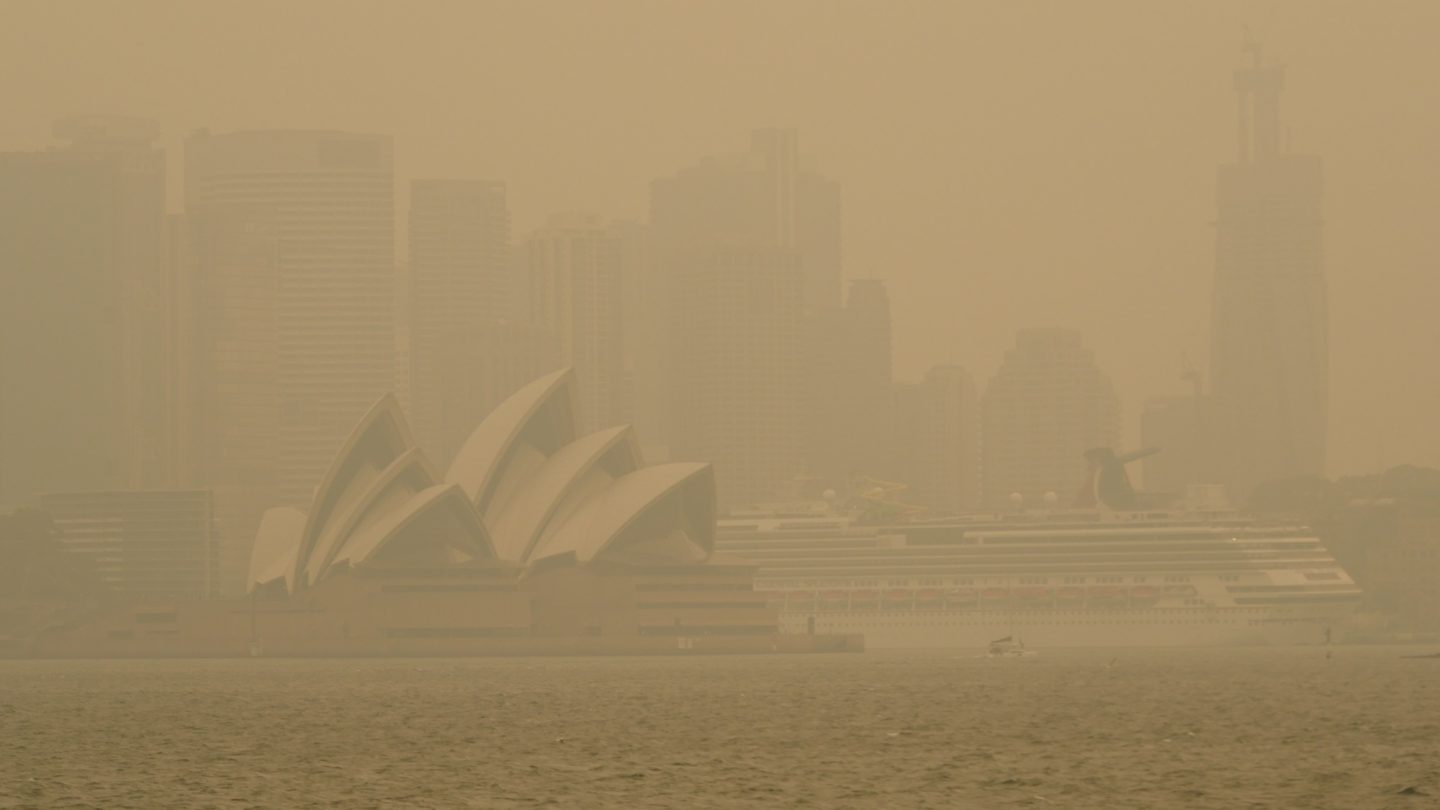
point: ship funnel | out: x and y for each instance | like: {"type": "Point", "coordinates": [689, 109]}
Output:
{"type": "Point", "coordinates": [1107, 484]}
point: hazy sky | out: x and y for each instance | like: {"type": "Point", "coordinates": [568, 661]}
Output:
{"type": "Point", "coordinates": [1005, 164]}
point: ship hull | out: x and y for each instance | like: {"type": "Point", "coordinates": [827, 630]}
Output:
{"type": "Point", "coordinates": [1045, 628]}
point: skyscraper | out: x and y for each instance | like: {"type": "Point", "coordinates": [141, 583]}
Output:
{"type": "Point", "coordinates": [848, 401]}
{"type": "Point", "coordinates": [818, 217]}
{"type": "Point", "coordinates": [1045, 407]}
{"type": "Point", "coordinates": [230, 254]}
{"type": "Point", "coordinates": [143, 543]}
{"type": "Point", "coordinates": [148, 338]}
{"type": "Point", "coordinates": [85, 312]}
{"type": "Point", "coordinates": [459, 292]}
{"type": "Point", "coordinates": [866, 389]}
{"type": "Point", "coordinates": [761, 196]}
{"type": "Point", "coordinates": [947, 478]}
{"type": "Point", "coordinates": [934, 441]}
{"type": "Point", "coordinates": [575, 295]}
{"type": "Point", "coordinates": [738, 396]}
{"type": "Point", "coordinates": [646, 310]}
{"type": "Point", "coordinates": [745, 247]}
{"type": "Point", "coordinates": [1182, 429]}
{"type": "Point", "coordinates": [324, 203]}
{"type": "Point", "coordinates": [1269, 320]}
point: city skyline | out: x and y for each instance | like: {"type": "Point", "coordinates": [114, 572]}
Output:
{"type": "Point", "coordinates": [945, 176]}
{"type": "Point", "coordinates": [719, 204]}
{"type": "Point", "coordinates": [481, 402]}
{"type": "Point", "coordinates": [716, 209]}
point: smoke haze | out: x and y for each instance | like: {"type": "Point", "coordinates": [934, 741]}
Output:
{"type": "Point", "coordinates": [752, 383]}
{"type": "Point", "coordinates": [1003, 165]}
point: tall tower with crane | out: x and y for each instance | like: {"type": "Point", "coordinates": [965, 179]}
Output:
{"type": "Point", "coordinates": [1269, 352]}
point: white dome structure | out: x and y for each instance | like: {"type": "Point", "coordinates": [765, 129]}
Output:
{"type": "Point", "coordinates": [523, 488]}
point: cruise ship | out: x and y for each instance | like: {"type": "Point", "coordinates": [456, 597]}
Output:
{"type": "Point", "coordinates": [1094, 576]}
{"type": "Point", "coordinates": [1060, 579]}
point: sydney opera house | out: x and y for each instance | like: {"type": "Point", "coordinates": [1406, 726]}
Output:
{"type": "Point", "coordinates": [536, 540]}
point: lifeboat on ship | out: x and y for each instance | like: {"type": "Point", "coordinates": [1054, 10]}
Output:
{"type": "Point", "coordinates": [800, 600]}
{"type": "Point", "coordinates": [1108, 596]}
{"type": "Point", "coordinates": [995, 597]}
{"type": "Point", "coordinates": [1181, 591]}
{"type": "Point", "coordinates": [1032, 596]}
{"type": "Point", "coordinates": [899, 598]}
{"type": "Point", "coordinates": [960, 597]}
{"type": "Point", "coordinates": [863, 599]}
{"type": "Point", "coordinates": [1145, 595]}
{"type": "Point", "coordinates": [1070, 595]}
{"type": "Point", "coordinates": [929, 598]}
{"type": "Point", "coordinates": [835, 600]}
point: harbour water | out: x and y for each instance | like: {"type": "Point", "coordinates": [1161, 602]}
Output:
{"type": "Point", "coordinates": [1224, 728]}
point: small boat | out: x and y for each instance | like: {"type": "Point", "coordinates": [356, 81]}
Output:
{"type": "Point", "coordinates": [1008, 647]}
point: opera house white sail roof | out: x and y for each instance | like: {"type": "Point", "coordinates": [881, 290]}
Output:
{"type": "Point", "coordinates": [523, 488]}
